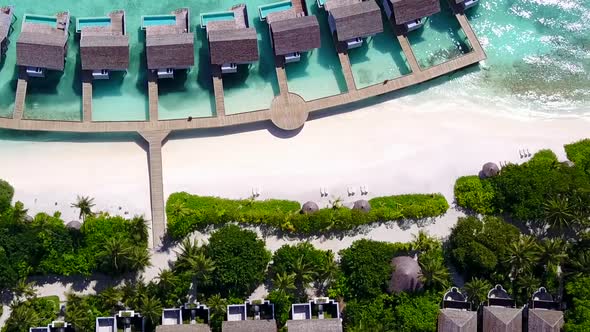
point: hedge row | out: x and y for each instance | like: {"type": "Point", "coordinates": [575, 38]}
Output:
{"type": "Point", "coordinates": [188, 213]}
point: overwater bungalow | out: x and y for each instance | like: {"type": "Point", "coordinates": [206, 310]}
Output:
{"type": "Point", "coordinates": [55, 326]}
{"type": "Point", "coordinates": [42, 44]}
{"type": "Point", "coordinates": [455, 316]}
{"type": "Point", "coordinates": [6, 16]}
{"type": "Point", "coordinates": [292, 32]}
{"type": "Point", "coordinates": [231, 41]}
{"type": "Point", "coordinates": [544, 313]}
{"type": "Point", "coordinates": [250, 316]}
{"type": "Point", "coordinates": [461, 5]}
{"type": "Point", "coordinates": [351, 21]}
{"type": "Point", "coordinates": [169, 42]}
{"type": "Point", "coordinates": [500, 314]}
{"type": "Point", "coordinates": [409, 15]}
{"type": "Point", "coordinates": [318, 315]}
{"type": "Point", "coordinates": [124, 320]}
{"type": "Point", "coordinates": [104, 44]}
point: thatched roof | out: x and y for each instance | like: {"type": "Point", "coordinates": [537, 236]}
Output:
{"type": "Point", "coordinates": [454, 320]}
{"type": "Point", "coordinates": [170, 51]}
{"type": "Point", "coordinates": [545, 320]}
{"type": "Point", "coordinates": [249, 326]}
{"type": "Point", "coordinates": [74, 224]}
{"type": "Point", "coordinates": [405, 11]}
{"type": "Point", "coordinates": [233, 46]}
{"type": "Point", "coordinates": [298, 34]}
{"type": "Point", "coordinates": [330, 5]}
{"type": "Point", "coordinates": [309, 207]}
{"type": "Point", "coordinates": [361, 19]}
{"type": "Point", "coordinates": [362, 205]}
{"type": "Point", "coordinates": [502, 319]}
{"type": "Point", "coordinates": [406, 275]}
{"type": "Point", "coordinates": [5, 22]}
{"type": "Point", "coordinates": [315, 325]}
{"type": "Point", "coordinates": [184, 328]}
{"type": "Point", "coordinates": [490, 169]}
{"type": "Point", "coordinates": [41, 50]}
{"type": "Point", "coordinates": [104, 52]}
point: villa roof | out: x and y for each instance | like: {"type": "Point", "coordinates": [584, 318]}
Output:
{"type": "Point", "coordinates": [295, 35]}
{"type": "Point", "coordinates": [5, 22]}
{"type": "Point", "coordinates": [454, 320]}
{"type": "Point", "coordinates": [332, 4]}
{"type": "Point", "coordinates": [502, 319]}
{"type": "Point", "coordinates": [406, 274]}
{"type": "Point", "coordinates": [43, 50]}
{"type": "Point", "coordinates": [249, 326]}
{"type": "Point", "coordinates": [233, 46]}
{"type": "Point", "coordinates": [405, 11]}
{"type": "Point", "coordinates": [104, 52]}
{"type": "Point", "coordinates": [184, 328]}
{"type": "Point", "coordinates": [315, 325]}
{"type": "Point", "coordinates": [170, 50]}
{"type": "Point", "coordinates": [545, 320]}
{"type": "Point", "coordinates": [361, 19]}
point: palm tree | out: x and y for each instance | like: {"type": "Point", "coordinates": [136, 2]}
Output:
{"type": "Point", "coordinates": [522, 255]}
{"type": "Point", "coordinates": [188, 248]}
{"type": "Point", "coordinates": [477, 291]}
{"type": "Point", "coordinates": [138, 258]}
{"type": "Point", "coordinates": [434, 272]}
{"type": "Point", "coordinates": [526, 285]}
{"type": "Point", "coordinates": [24, 290]}
{"type": "Point", "coordinates": [199, 266]}
{"type": "Point", "coordinates": [85, 204]}
{"type": "Point", "coordinates": [180, 210]}
{"type": "Point", "coordinates": [579, 265]}
{"type": "Point", "coordinates": [325, 274]}
{"type": "Point", "coordinates": [424, 242]}
{"type": "Point", "coordinates": [167, 279]}
{"type": "Point", "coordinates": [139, 229]}
{"type": "Point", "coordinates": [22, 317]}
{"type": "Point", "coordinates": [114, 254]}
{"type": "Point", "coordinates": [19, 213]}
{"type": "Point", "coordinates": [218, 306]}
{"type": "Point", "coordinates": [150, 309]}
{"type": "Point", "coordinates": [303, 274]}
{"type": "Point", "coordinates": [284, 282]}
{"type": "Point", "coordinates": [559, 214]}
{"type": "Point", "coordinates": [111, 298]}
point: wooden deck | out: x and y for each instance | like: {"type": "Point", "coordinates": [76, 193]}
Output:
{"type": "Point", "coordinates": [153, 96]}
{"type": "Point", "coordinates": [281, 74]}
{"type": "Point", "coordinates": [21, 95]}
{"type": "Point", "coordinates": [347, 71]}
{"type": "Point", "coordinates": [87, 96]}
{"type": "Point", "coordinates": [410, 56]}
{"type": "Point", "coordinates": [218, 90]}
{"type": "Point", "coordinates": [158, 222]}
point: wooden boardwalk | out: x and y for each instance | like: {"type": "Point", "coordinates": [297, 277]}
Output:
{"type": "Point", "coordinates": [158, 222]}
{"type": "Point", "coordinates": [153, 96]}
{"type": "Point", "coordinates": [87, 96]}
{"type": "Point", "coordinates": [21, 95]}
{"type": "Point", "coordinates": [347, 71]}
{"type": "Point", "coordinates": [410, 56]}
{"type": "Point", "coordinates": [218, 90]}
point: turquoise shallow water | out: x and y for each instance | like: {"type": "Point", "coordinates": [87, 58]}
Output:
{"type": "Point", "coordinates": [538, 58]}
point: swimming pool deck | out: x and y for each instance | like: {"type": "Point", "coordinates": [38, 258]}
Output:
{"type": "Point", "coordinates": [287, 111]}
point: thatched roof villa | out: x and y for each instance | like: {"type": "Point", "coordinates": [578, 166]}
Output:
{"type": "Point", "coordinates": [500, 313]}
{"type": "Point", "coordinates": [455, 316]}
{"type": "Point", "coordinates": [169, 42]}
{"type": "Point", "coordinates": [318, 315]}
{"type": "Point", "coordinates": [408, 15]}
{"type": "Point", "coordinates": [104, 44]}
{"type": "Point", "coordinates": [406, 274]}
{"type": "Point", "coordinates": [353, 20]}
{"type": "Point", "coordinates": [292, 32]}
{"type": "Point", "coordinates": [6, 16]}
{"type": "Point", "coordinates": [231, 41]}
{"type": "Point", "coordinates": [42, 43]}
{"type": "Point", "coordinates": [55, 326]}
{"type": "Point", "coordinates": [184, 319]}
{"type": "Point", "coordinates": [250, 317]}
{"type": "Point", "coordinates": [126, 320]}
{"type": "Point", "coordinates": [544, 313]}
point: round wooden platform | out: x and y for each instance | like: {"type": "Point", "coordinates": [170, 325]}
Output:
{"type": "Point", "coordinates": [288, 111]}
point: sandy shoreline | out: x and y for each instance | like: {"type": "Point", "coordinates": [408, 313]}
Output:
{"type": "Point", "coordinates": [400, 146]}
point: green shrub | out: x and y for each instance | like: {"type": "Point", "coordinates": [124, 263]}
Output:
{"type": "Point", "coordinates": [188, 213]}
{"type": "Point", "coordinates": [544, 157]}
{"type": "Point", "coordinates": [474, 194]}
{"type": "Point", "coordinates": [579, 154]}
{"type": "Point", "coordinates": [6, 195]}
